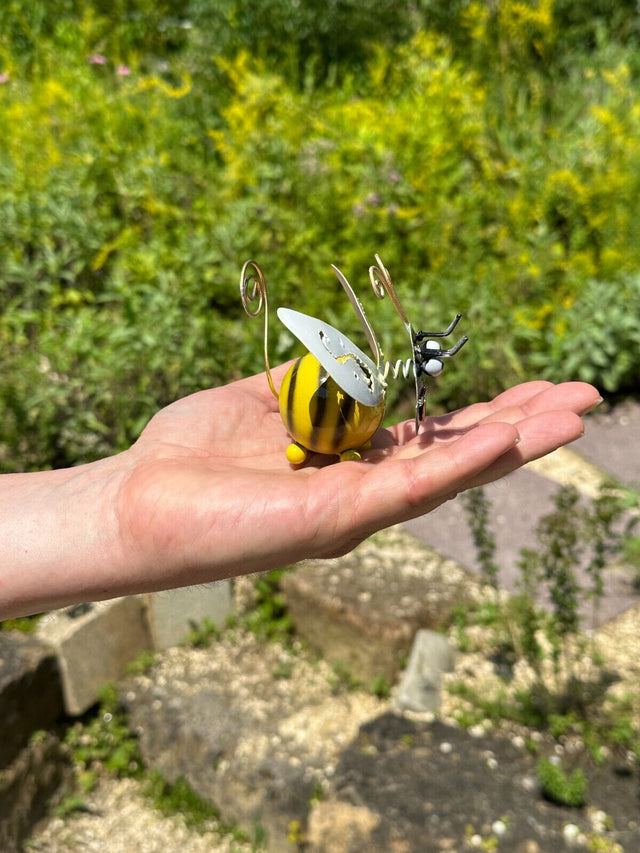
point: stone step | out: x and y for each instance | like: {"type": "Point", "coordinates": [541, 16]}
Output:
{"type": "Point", "coordinates": [251, 726]}
{"type": "Point", "coordinates": [363, 610]}
{"type": "Point", "coordinates": [33, 767]}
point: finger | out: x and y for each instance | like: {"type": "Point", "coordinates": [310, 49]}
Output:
{"type": "Point", "coordinates": [487, 453]}
{"type": "Point", "coordinates": [400, 488]}
{"type": "Point", "coordinates": [515, 396]}
{"type": "Point", "coordinates": [454, 423]}
{"type": "Point", "coordinates": [540, 434]}
{"type": "Point", "coordinates": [511, 406]}
{"type": "Point", "coordinates": [578, 397]}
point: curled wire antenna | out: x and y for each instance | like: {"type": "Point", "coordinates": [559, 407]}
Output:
{"type": "Point", "coordinates": [252, 275]}
{"type": "Point", "coordinates": [253, 294]}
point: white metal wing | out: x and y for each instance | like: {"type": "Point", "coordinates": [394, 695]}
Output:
{"type": "Point", "coordinates": [353, 370]}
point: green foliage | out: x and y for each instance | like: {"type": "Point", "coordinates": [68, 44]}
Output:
{"type": "Point", "coordinates": [380, 687]}
{"type": "Point", "coordinates": [576, 533]}
{"type": "Point", "coordinates": [105, 741]}
{"type": "Point", "coordinates": [631, 556]}
{"type": "Point", "coordinates": [598, 337]}
{"type": "Point", "coordinates": [101, 320]}
{"type": "Point", "coordinates": [559, 787]}
{"type": "Point", "coordinates": [178, 798]}
{"type": "Point", "coordinates": [202, 635]}
{"type": "Point", "coordinates": [572, 534]}
{"type": "Point", "coordinates": [121, 29]}
{"type": "Point", "coordinates": [142, 664]}
{"type": "Point", "coordinates": [24, 624]}
{"type": "Point", "coordinates": [478, 511]}
{"type": "Point", "coordinates": [311, 42]}
{"type": "Point", "coordinates": [269, 617]}
{"type": "Point", "coordinates": [343, 679]}
{"type": "Point", "coordinates": [489, 152]}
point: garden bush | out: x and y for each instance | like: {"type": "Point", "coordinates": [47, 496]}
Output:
{"type": "Point", "coordinates": [491, 156]}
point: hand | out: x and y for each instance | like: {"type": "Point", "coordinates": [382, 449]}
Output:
{"type": "Point", "coordinates": [211, 493]}
{"type": "Point", "coordinates": [206, 492]}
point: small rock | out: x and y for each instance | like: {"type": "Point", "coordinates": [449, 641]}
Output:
{"type": "Point", "coordinates": [599, 820]}
{"type": "Point", "coordinates": [419, 689]}
{"type": "Point", "coordinates": [528, 846]}
{"type": "Point", "coordinates": [340, 828]}
{"type": "Point", "coordinates": [499, 828]}
{"type": "Point", "coordinates": [571, 833]}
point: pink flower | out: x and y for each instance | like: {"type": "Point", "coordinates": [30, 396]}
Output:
{"type": "Point", "coordinates": [97, 59]}
{"type": "Point", "coordinates": [123, 70]}
{"type": "Point", "coordinates": [4, 77]}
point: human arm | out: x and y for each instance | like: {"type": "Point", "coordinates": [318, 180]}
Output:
{"type": "Point", "coordinates": [206, 492]}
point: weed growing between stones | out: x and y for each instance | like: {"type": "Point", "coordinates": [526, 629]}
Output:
{"type": "Point", "coordinates": [269, 617]}
{"type": "Point", "coordinates": [179, 798]}
{"type": "Point", "coordinates": [560, 787]}
{"type": "Point", "coordinates": [202, 634]}
{"type": "Point", "coordinates": [103, 743]}
{"type": "Point", "coordinates": [550, 675]}
{"type": "Point", "coordinates": [142, 664]}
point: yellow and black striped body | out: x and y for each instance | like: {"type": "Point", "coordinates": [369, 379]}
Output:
{"type": "Point", "coordinates": [320, 417]}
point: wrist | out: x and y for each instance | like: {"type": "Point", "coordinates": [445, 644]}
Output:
{"type": "Point", "coordinates": [60, 537]}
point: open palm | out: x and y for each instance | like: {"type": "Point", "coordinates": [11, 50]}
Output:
{"type": "Point", "coordinates": [208, 492]}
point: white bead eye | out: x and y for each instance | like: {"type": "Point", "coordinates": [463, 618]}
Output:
{"type": "Point", "coordinates": [433, 367]}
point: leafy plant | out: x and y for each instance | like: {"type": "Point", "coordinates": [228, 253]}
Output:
{"type": "Point", "coordinates": [269, 616]}
{"type": "Point", "coordinates": [203, 634]}
{"type": "Point", "coordinates": [343, 678]}
{"type": "Point", "coordinates": [478, 512]}
{"type": "Point", "coordinates": [593, 337]}
{"type": "Point", "coordinates": [105, 741]}
{"type": "Point", "coordinates": [380, 687]}
{"type": "Point", "coordinates": [576, 532]}
{"type": "Point", "coordinates": [560, 787]}
{"type": "Point", "coordinates": [178, 798]}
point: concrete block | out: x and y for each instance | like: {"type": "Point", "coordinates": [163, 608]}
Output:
{"type": "Point", "coordinates": [36, 780]}
{"type": "Point", "coordinates": [30, 691]}
{"type": "Point", "coordinates": [94, 643]}
{"type": "Point", "coordinates": [419, 689]}
{"type": "Point", "coordinates": [172, 614]}
{"type": "Point", "coordinates": [364, 609]}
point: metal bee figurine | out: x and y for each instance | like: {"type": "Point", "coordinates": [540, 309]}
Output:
{"type": "Point", "coordinates": [332, 399]}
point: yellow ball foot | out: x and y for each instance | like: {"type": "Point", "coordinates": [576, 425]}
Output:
{"type": "Point", "coordinates": [296, 454]}
{"type": "Point", "coordinates": [350, 456]}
